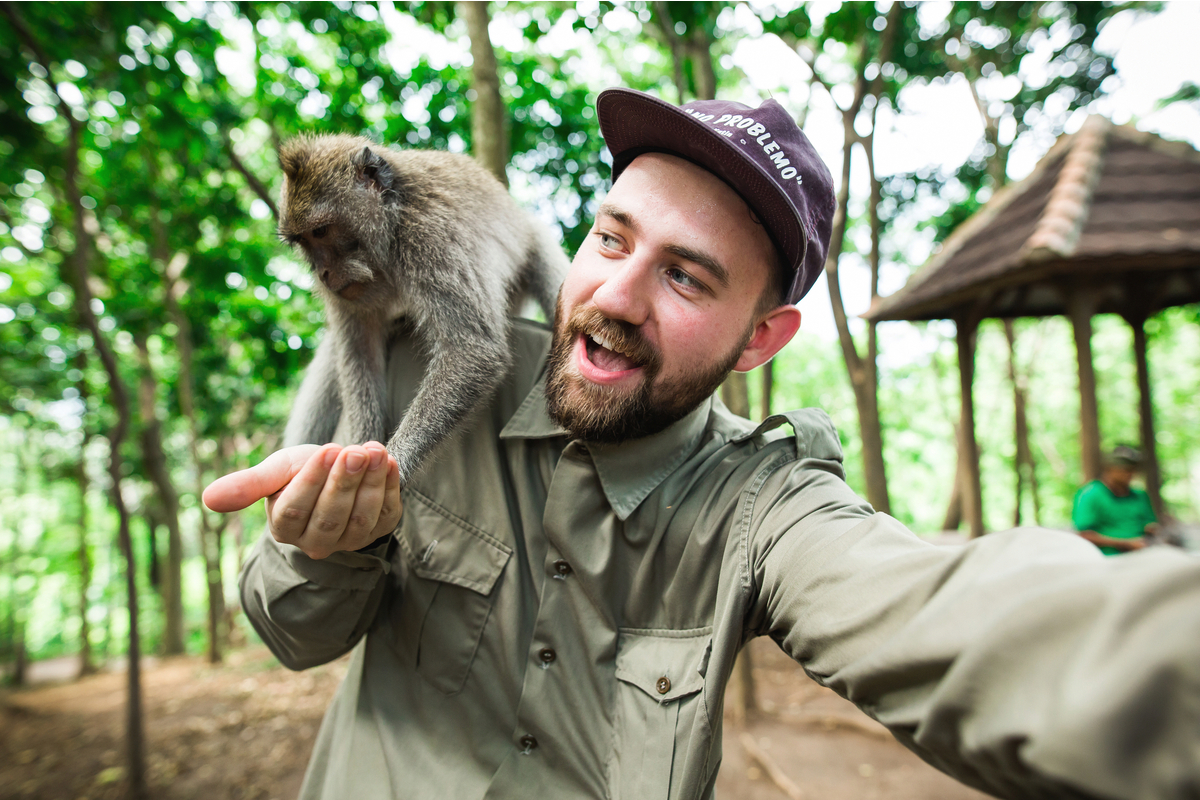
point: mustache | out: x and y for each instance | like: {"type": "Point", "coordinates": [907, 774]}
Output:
{"type": "Point", "coordinates": [624, 337]}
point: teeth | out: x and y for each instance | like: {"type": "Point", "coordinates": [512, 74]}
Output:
{"type": "Point", "coordinates": [600, 340]}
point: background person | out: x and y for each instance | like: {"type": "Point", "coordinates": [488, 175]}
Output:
{"type": "Point", "coordinates": [1110, 512]}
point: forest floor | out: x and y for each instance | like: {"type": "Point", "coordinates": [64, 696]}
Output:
{"type": "Point", "coordinates": [244, 730]}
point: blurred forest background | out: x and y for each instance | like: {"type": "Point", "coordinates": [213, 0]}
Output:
{"type": "Point", "coordinates": [153, 329]}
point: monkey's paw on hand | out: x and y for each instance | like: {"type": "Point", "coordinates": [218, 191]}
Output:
{"type": "Point", "coordinates": [320, 499]}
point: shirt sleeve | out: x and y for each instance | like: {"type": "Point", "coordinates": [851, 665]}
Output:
{"type": "Point", "coordinates": [1024, 663]}
{"type": "Point", "coordinates": [311, 611]}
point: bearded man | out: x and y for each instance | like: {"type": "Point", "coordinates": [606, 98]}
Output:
{"type": "Point", "coordinates": [553, 607]}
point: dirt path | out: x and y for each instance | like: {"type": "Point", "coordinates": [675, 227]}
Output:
{"type": "Point", "coordinates": [244, 732]}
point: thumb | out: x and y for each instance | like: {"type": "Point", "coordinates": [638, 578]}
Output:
{"type": "Point", "coordinates": [243, 488]}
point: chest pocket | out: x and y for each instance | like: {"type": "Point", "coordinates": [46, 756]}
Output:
{"type": "Point", "coordinates": [452, 570]}
{"type": "Point", "coordinates": [660, 675]}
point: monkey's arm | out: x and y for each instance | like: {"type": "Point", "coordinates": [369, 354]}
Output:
{"type": "Point", "coordinates": [318, 406]}
{"type": "Point", "coordinates": [469, 354]}
{"type": "Point", "coordinates": [310, 612]}
{"type": "Point", "coordinates": [361, 365]}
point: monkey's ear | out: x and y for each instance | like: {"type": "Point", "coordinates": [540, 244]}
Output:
{"type": "Point", "coordinates": [292, 156]}
{"type": "Point", "coordinates": [377, 172]}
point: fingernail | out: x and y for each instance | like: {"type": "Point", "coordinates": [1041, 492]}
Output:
{"type": "Point", "coordinates": [330, 456]}
{"type": "Point", "coordinates": [377, 455]}
{"type": "Point", "coordinates": [355, 461]}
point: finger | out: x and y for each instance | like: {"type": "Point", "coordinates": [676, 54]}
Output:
{"type": "Point", "coordinates": [393, 506]}
{"type": "Point", "coordinates": [331, 513]}
{"type": "Point", "coordinates": [243, 488]}
{"type": "Point", "coordinates": [288, 513]}
{"type": "Point", "coordinates": [369, 501]}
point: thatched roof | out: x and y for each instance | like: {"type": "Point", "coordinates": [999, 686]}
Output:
{"type": "Point", "coordinates": [1109, 210]}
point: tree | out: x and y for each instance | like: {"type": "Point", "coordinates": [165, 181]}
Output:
{"type": "Point", "coordinates": [488, 116]}
{"type": "Point", "coordinates": [870, 37]}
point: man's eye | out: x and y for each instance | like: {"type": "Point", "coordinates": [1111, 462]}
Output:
{"type": "Point", "coordinates": [609, 242]}
{"type": "Point", "coordinates": [679, 276]}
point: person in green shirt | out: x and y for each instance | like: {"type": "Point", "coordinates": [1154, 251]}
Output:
{"type": "Point", "coordinates": [1110, 512]}
{"type": "Point", "coordinates": [554, 605]}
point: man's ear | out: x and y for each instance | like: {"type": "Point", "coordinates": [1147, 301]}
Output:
{"type": "Point", "coordinates": [770, 335]}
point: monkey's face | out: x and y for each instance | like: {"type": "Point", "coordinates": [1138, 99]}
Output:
{"type": "Point", "coordinates": [332, 211]}
{"type": "Point", "coordinates": [335, 256]}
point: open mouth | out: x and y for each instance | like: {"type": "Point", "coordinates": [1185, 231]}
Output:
{"type": "Point", "coordinates": [605, 356]}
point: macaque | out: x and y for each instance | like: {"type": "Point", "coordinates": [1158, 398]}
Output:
{"type": "Point", "coordinates": [425, 235]}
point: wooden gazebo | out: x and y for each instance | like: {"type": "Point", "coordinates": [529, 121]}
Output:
{"type": "Point", "coordinates": [1108, 222]}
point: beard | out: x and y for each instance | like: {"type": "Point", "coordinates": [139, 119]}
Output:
{"type": "Point", "coordinates": [603, 414]}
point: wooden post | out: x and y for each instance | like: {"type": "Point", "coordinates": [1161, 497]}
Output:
{"type": "Point", "coordinates": [968, 449]}
{"type": "Point", "coordinates": [1146, 412]}
{"type": "Point", "coordinates": [1081, 306]}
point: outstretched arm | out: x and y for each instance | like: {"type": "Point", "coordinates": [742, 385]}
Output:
{"type": "Point", "coordinates": [307, 592]}
{"type": "Point", "coordinates": [1024, 663]}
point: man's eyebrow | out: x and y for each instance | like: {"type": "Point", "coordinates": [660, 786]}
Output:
{"type": "Point", "coordinates": [620, 215]}
{"type": "Point", "coordinates": [702, 260]}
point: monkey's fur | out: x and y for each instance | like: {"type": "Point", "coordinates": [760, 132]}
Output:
{"type": "Point", "coordinates": [421, 234]}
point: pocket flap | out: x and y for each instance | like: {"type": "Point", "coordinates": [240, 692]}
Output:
{"type": "Point", "coordinates": [443, 547]}
{"type": "Point", "coordinates": [666, 665]}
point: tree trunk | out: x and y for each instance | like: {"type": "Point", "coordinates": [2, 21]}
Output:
{"type": "Point", "coordinates": [1150, 465]}
{"type": "Point", "coordinates": [952, 520]}
{"type": "Point", "coordinates": [735, 394]}
{"type": "Point", "coordinates": [1082, 306]}
{"type": "Point", "coordinates": [862, 371]}
{"type": "Point", "coordinates": [155, 459]}
{"type": "Point", "coordinates": [972, 491]}
{"type": "Point", "coordinates": [216, 594]}
{"type": "Point", "coordinates": [75, 273]}
{"type": "Point", "coordinates": [86, 667]}
{"type": "Point", "coordinates": [703, 72]}
{"type": "Point", "coordinates": [210, 546]}
{"type": "Point", "coordinates": [768, 387]}
{"type": "Point", "coordinates": [153, 518]}
{"type": "Point", "coordinates": [676, 45]}
{"type": "Point", "coordinates": [20, 657]}
{"type": "Point", "coordinates": [1024, 467]}
{"type": "Point", "coordinates": [489, 132]}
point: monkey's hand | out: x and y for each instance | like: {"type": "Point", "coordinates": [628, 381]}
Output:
{"type": "Point", "coordinates": [320, 499]}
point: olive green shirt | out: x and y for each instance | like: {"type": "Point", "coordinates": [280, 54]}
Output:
{"type": "Point", "coordinates": [559, 619]}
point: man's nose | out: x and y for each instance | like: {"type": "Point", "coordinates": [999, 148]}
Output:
{"type": "Point", "coordinates": [625, 294]}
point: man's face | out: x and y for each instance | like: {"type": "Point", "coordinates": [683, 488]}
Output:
{"type": "Point", "coordinates": [659, 304]}
{"type": "Point", "coordinates": [1118, 478]}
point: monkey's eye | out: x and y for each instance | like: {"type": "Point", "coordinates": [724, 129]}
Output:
{"type": "Point", "coordinates": [319, 233]}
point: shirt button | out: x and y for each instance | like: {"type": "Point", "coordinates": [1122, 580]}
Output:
{"type": "Point", "coordinates": [562, 568]}
{"type": "Point", "coordinates": [664, 685]}
{"type": "Point", "coordinates": [547, 655]}
{"type": "Point", "coordinates": [528, 743]}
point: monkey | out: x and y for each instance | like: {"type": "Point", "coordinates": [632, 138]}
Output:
{"type": "Point", "coordinates": [427, 235]}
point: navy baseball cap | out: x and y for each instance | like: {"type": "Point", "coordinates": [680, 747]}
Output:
{"type": "Point", "coordinates": [760, 152]}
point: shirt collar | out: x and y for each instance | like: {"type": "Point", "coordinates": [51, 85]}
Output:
{"type": "Point", "coordinates": [629, 471]}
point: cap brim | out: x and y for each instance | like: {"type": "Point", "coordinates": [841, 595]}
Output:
{"type": "Point", "coordinates": [633, 123]}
